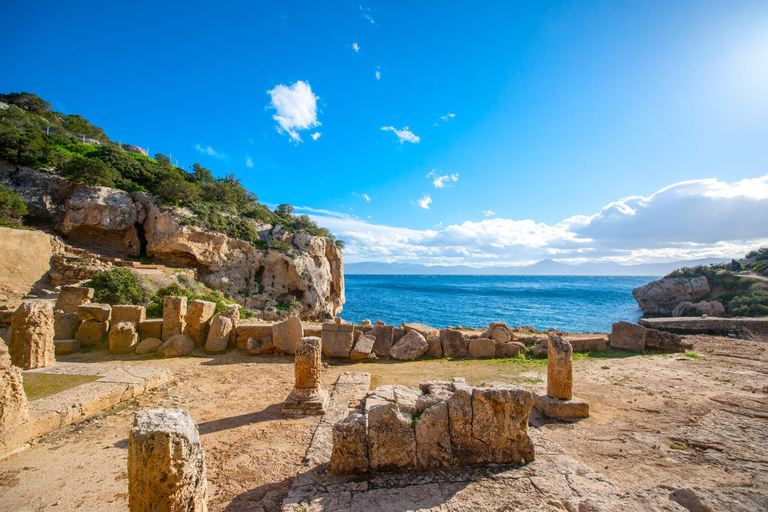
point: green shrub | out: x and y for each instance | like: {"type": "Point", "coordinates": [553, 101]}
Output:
{"type": "Point", "coordinates": [90, 171]}
{"type": "Point", "coordinates": [120, 286]}
{"type": "Point", "coordinates": [12, 208]}
{"type": "Point", "coordinates": [155, 308]}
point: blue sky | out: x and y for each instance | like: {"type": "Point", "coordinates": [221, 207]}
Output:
{"type": "Point", "coordinates": [541, 120]}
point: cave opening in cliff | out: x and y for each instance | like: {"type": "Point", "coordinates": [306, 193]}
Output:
{"type": "Point", "coordinates": [142, 237]}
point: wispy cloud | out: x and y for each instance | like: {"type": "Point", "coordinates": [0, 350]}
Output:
{"type": "Point", "coordinates": [446, 117]}
{"type": "Point", "coordinates": [378, 74]}
{"type": "Point", "coordinates": [316, 135]}
{"type": "Point", "coordinates": [403, 134]}
{"type": "Point", "coordinates": [442, 181]}
{"type": "Point", "coordinates": [296, 108]}
{"type": "Point", "coordinates": [424, 202]}
{"type": "Point", "coordinates": [208, 150]}
{"type": "Point", "coordinates": [249, 162]}
{"type": "Point", "coordinates": [362, 196]}
{"type": "Point", "coordinates": [366, 14]}
{"type": "Point", "coordinates": [489, 213]}
{"type": "Point", "coordinates": [356, 47]}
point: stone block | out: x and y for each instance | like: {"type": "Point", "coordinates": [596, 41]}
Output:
{"type": "Point", "coordinates": [123, 338]}
{"type": "Point", "coordinates": [14, 409]}
{"type": "Point", "coordinates": [65, 347]}
{"type": "Point", "coordinates": [350, 445]}
{"type": "Point", "coordinates": [363, 348]}
{"type": "Point", "coordinates": [70, 297]}
{"type": "Point", "coordinates": [30, 338]}
{"type": "Point", "coordinates": [93, 311]}
{"type": "Point", "coordinates": [128, 313]}
{"type": "Point", "coordinates": [397, 335]}
{"type": "Point", "coordinates": [410, 347]}
{"type": "Point", "coordinates": [337, 340]}
{"type": "Point", "coordinates": [92, 332]}
{"type": "Point", "coordinates": [166, 463]}
{"type": "Point", "coordinates": [249, 330]}
{"type": "Point", "coordinates": [174, 314]}
{"type": "Point", "coordinates": [148, 346]}
{"type": "Point", "coordinates": [666, 341]}
{"type": "Point", "coordinates": [575, 408]}
{"type": "Point", "coordinates": [384, 336]}
{"type": "Point", "coordinates": [435, 348]}
{"type": "Point", "coordinates": [391, 438]}
{"type": "Point", "coordinates": [559, 368]}
{"type": "Point", "coordinates": [500, 422]}
{"type": "Point", "coordinates": [422, 329]}
{"type": "Point", "coordinates": [586, 344]}
{"type": "Point", "coordinates": [152, 328]}
{"type": "Point", "coordinates": [313, 330]}
{"type": "Point", "coordinates": [501, 334]}
{"type": "Point", "coordinates": [219, 334]}
{"type": "Point", "coordinates": [433, 438]}
{"type": "Point", "coordinates": [453, 343]}
{"type": "Point", "coordinates": [197, 321]}
{"type": "Point", "coordinates": [627, 336]}
{"type": "Point", "coordinates": [177, 346]}
{"type": "Point", "coordinates": [260, 346]}
{"type": "Point", "coordinates": [65, 325]}
{"type": "Point", "coordinates": [510, 349]}
{"type": "Point", "coordinates": [307, 397]}
{"type": "Point", "coordinates": [286, 335]}
{"type": "Point", "coordinates": [482, 347]}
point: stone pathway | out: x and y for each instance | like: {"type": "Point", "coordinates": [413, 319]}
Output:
{"type": "Point", "coordinates": [116, 383]}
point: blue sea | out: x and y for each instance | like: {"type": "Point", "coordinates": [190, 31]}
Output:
{"type": "Point", "coordinates": [568, 303]}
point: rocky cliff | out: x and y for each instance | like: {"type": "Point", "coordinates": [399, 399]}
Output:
{"type": "Point", "coordinates": [661, 297]}
{"type": "Point", "coordinates": [308, 270]}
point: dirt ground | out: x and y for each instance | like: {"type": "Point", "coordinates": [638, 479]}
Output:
{"type": "Point", "coordinates": [699, 418]}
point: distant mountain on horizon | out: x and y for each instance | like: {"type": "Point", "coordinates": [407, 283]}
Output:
{"type": "Point", "coordinates": [545, 267]}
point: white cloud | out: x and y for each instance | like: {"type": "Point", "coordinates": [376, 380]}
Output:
{"type": "Point", "coordinates": [208, 150]}
{"type": "Point", "coordinates": [296, 108]}
{"type": "Point", "coordinates": [356, 47]}
{"type": "Point", "coordinates": [489, 213]}
{"type": "Point", "coordinates": [424, 202]}
{"type": "Point", "coordinates": [316, 135]}
{"type": "Point", "coordinates": [249, 162]}
{"type": "Point", "coordinates": [448, 116]}
{"type": "Point", "coordinates": [688, 220]}
{"type": "Point", "coordinates": [441, 181]}
{"type": "Point", "coordinates": [366, 14]}
{"type": "Point", "coordinates": [362, 196]}
{"type": "Point", "coordinates": [378, 75]}
{"type": "Point", "coordinates": [403, 134]}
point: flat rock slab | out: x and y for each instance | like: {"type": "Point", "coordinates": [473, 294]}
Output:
{"type": "Point", "coordinates": [116, 384]}
{"type": "Point", "coordinates": [572, 409]}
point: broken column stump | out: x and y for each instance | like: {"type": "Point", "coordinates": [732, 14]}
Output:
{"type": "Point", "coordinates": [559, 402]}
{"type": "Point", "coordinates": [166, 463]}
{"type": "Point", "coordinates": [307, 397]}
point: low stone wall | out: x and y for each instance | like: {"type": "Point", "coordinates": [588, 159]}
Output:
{"type": "Point", "coordinates": [717, 326]}
{"type": "Point", "coordinates": [442, 424]}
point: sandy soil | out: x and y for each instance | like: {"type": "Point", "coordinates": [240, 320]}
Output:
{"type": "Point", "coordinates": [656, 419]}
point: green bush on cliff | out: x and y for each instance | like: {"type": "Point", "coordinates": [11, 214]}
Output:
{"type": "Point", "coordinates": [193, 291]}
{"type": "Point", "coordinates": [12, 208]}
{"type": "Point", "coordinates": [120, 286]}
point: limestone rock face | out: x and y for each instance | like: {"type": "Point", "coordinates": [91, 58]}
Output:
{"type": "Point", "coordinates": [391, 438]}
{"type": "Point", "coordinates": [714, 308]}
{"type": "Point", "coordinates": [123, 338]}
{"type": "Point", "coordinates": [627, 336]}
{"type": "Point", "coordinates": [71, 297]}
{"type": "Point", "coordinates": [286, 335]}
{"type": "Point", "coordinates": [410, 347]}
{"type": "Point", "coordinates": [174, 313]}
{"type": "Point", "coordinates": [433, 438]}
{"type": "Point", "coordinates": [102, 218]}
{"type": "Point", "coordinates": [14, 409]}
{"type": "Point", "coordinates": [148, 346]}
{"type": "Point", "coordinates": [219, 334]}
{"type": "Point", "coordinates": [660, 297]}
{"type": "Point", "coordinates": [337, 339]}
{"type": "Point", "coordinates": [453, 343]}
{"type": "Point", "coordinates": [199, 315]}
{"type": "Point", "coordinates": [350, 446]}
{"type": "Point", "coordinates": [65, 325]}
{"type": "Point", "coordinates": [177, 346]}
{"type": "Point", "coordinates": [559, 368]}
{"type": "Point", "coordinates": [30, 342]}
{"type": "Point", "coordinates": [166, 463]}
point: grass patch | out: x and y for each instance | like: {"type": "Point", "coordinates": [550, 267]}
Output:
{"type": "Point", "coordinates": [693, 355]}
{"type": "Point", "coordinates": [40, 385]}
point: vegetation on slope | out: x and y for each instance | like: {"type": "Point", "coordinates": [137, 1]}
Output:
{"type": "Point", "coordinates": [33, 135]}
{"type": "Point", "coordinates": [12, 208]}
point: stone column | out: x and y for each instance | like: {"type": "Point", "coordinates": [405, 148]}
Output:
{"type": "Point", "coordinates": [559, 368]}
{"type": "Point", "coordinates": [307, 398]}
{"type": "Point", "coordinates": [14, 409]}
{"type": "Point", "coordinates": [166, 463]}
{"type": "Point", "coordinates": [30, 340]}
{"type": "Point", "coordinates": [174, 313]}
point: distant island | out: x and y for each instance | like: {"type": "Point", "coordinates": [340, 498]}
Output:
{"type": "Point", "coordinates": [545, 267]}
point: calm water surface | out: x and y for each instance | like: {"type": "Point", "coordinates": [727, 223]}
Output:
{"type": "Point", "coordinates": [569, 303]}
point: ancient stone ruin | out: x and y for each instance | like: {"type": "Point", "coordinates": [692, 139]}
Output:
{"type": "Point", "coordinates": [166, 463]}
{"type": "Point", "coordinates": [14, 409]}
{"type": "Point", "coordinates": [30, 341]}
{"type": "Point", "coordinates": [559, 401]}
{"type": "Point", "coordinates": [442, 424]}
{"type": "Point", "coordinates": [307, 397]}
